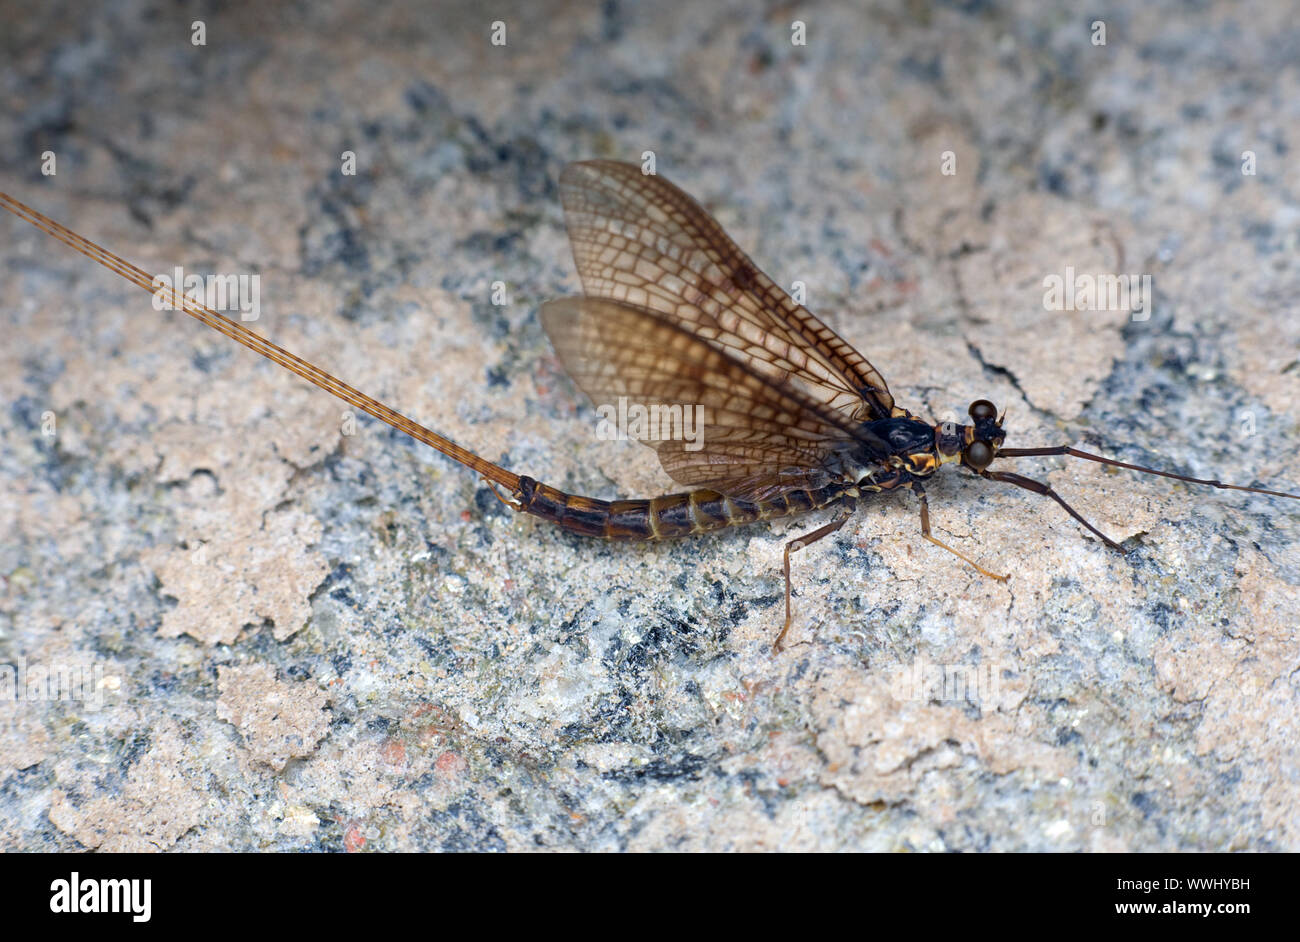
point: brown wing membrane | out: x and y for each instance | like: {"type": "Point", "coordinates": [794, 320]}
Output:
{"type": "Point", "coordinates": [757, 438]}
{"type": "Point", "coordinates": [637, 238]}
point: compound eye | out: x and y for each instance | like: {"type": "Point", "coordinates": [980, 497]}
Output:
{"type": "Point", "coordinates": [982, 409]}
{"type": "Point", "coordinates": [979, 455]}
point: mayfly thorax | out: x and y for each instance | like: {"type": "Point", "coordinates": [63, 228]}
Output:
{"type": "Point", "coordinates": [674, 314]}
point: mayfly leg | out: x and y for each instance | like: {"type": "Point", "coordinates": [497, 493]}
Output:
{"type": "Point", "coordinates": [841, 518]}
{"type": "Point", "coordinates": [515, 505]}
{"type": "Point", "coordinates": [919, 491]}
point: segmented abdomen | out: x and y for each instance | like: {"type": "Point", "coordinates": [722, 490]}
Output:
{"type": "Point", "coordinates": [661, 518]}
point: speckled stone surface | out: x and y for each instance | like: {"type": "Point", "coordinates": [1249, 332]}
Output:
{"type": "Point", "coordinates": [307, 636]}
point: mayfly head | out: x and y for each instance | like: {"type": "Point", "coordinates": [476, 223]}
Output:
{"type": "Point", "coordinates": [983, 438]}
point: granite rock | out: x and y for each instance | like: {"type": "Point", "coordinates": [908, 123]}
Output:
{"type": "Point", "coordinates": [290, 628]}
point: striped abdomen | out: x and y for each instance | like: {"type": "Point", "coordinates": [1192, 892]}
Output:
{"type": "Point", "coordinates": [662, 518]}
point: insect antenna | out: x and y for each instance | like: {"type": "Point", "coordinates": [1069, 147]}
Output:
{"type": "Point", "coordinates": [1075, 453]}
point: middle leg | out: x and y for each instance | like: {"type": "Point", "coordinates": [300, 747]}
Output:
{"type": "Point", "coordinates": [919, 491]}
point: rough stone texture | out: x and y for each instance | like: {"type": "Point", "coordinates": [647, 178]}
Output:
{"type": "Point", "coordinates": [277, 721]}
{"type": "Point", "coordinates": [205, 530]}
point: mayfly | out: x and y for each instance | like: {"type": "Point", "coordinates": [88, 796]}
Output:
{"type": "Point", "coordinates": [674, 314]}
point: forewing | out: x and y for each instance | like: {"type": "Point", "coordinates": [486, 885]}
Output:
{"type": "Point", "coordinates": [639, 239]}
{"type": "Point", "coordinates": [757, 438]}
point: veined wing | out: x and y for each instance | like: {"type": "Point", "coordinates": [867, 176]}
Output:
{"type": "Point", "coordinates": [637, 238]}
{"type": "Point", "coordinates": [756, 437]}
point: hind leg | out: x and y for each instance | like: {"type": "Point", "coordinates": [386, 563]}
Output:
{"type": "Point", "coordinates": [846, 511]}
